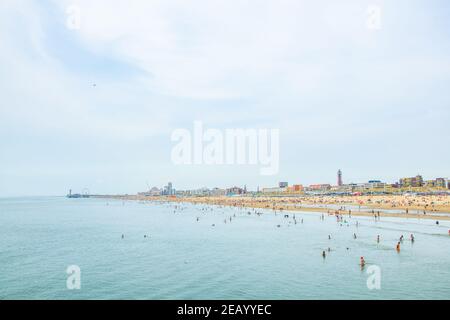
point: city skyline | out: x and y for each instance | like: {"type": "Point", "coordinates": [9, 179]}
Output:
{"type": "Point", "coordinates": [414, 181]}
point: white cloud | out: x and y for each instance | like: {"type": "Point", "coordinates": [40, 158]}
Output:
{"type": "Point", "coordinates": [217, 49]}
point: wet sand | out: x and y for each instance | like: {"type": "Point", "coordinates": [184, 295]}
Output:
{"type": "Point", "coordinates": [400, 206]}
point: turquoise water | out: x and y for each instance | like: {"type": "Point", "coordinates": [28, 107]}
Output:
{"type": "Point", "coordinates": [182, 258]}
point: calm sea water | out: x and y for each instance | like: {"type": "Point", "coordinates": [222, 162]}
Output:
{"type": "Point", "coordinates": [182, 258]}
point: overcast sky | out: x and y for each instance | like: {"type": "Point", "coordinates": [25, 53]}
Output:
{"type": "Point", "coordinates": [372, 102]}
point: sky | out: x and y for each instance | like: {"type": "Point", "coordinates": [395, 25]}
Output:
{"type": "Point", "coordinates": [92, 102]}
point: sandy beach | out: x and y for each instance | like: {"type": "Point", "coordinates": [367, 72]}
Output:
{"type": "Point", "coordinates": [435, 207]}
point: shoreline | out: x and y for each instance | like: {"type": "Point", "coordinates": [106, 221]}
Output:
{"type": "Point", "coordinates": [296, 204]}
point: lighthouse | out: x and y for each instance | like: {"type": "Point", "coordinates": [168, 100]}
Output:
{"type": "Point", "coordinates": [339, 178]}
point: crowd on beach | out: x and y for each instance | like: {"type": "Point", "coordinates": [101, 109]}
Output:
{"type": "Point", "coordinates": [432, 203]}
{"type": "Point", "coordinates": [428, 207]}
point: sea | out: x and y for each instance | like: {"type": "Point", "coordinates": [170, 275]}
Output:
{"type": "Point", "coordinates": [96, 248]}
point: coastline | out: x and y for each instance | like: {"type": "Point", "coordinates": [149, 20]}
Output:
{"type": "Point", "coordinates": [434, 209]}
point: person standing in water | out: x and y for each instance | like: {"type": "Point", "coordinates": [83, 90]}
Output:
{"type": "Point", "coordinates": [362, 262]}
{"type": "Point", "coordinates": [398, 247]}
{"type": "Point", "coordinates": [378, 238]}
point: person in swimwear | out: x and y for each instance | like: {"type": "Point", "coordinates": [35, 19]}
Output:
{"type": "Point", "coordinates": [362, 262]}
